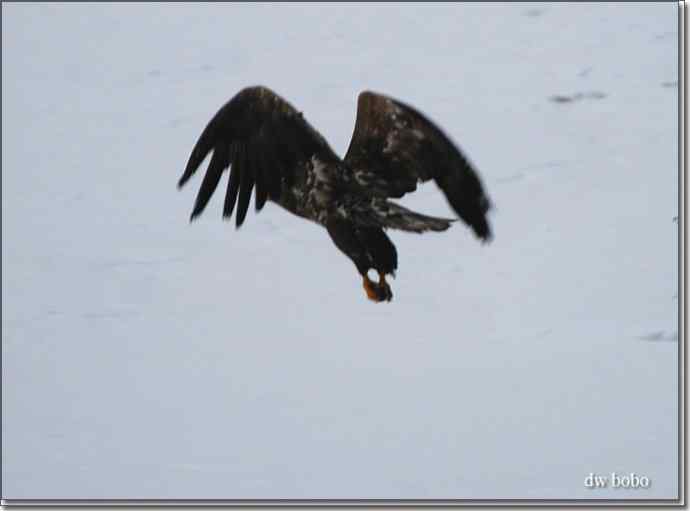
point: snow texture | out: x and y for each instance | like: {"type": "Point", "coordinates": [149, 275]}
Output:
{"type": "Point", "coordinates": [144, 357]}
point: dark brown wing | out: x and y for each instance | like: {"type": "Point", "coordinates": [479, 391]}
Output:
{"type": "Point", "coordinates": [264, 139]}
{"type": "Point", "coordinates": [394, 147]}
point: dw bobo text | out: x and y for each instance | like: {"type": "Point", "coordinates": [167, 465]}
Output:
{"type": "Point", "coordinates": [631, 481]}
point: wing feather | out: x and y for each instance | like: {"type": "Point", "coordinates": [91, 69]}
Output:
{"type": "Point", "coordinates": [219, 162]}
{"type": "Point", "coordinates": [260, 177]}
{"type": "Point", "coordinates": [394, 147]}
{"type": "Point", "coordinates": [272, 167]}
{"type": "Point", "coordinates": [246, 184]}
{"type": "Point", "coordinates": [270, 139]}
{"type": "Point", "coordinates": [233, 185]}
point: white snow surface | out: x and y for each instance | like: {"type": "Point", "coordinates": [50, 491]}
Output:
{"type": "Point", "coordinates": [147, 357]}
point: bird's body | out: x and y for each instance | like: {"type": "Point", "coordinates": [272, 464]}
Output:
{"type": "Point", "coordinates": [274, 151]}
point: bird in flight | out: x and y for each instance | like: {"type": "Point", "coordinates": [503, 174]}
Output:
{"type": "Point", "coordinates": [271, 149]}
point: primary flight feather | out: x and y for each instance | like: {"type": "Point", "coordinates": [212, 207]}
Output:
{"type": "Point", "coordinates": [272, 150]}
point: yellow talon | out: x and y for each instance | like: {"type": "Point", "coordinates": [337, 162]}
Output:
{"type": "Point", "coordinates": [377, 292]}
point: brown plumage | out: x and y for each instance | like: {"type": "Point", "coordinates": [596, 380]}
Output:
{"type": "Point", "coordinates": [272, 150]}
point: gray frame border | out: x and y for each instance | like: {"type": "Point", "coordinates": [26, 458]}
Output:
{"type": "Point", "coordinates": [679, 502]}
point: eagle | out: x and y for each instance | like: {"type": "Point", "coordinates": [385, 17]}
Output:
{"type": "Point", "coordinates": [272, 150]}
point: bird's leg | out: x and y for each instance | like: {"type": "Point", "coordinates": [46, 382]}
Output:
{"type": "Point", "coordinates": [377, 292]}
{"type": "Point", "coordinates": [384, 288]}
{"type": "Point", "coordinates": [371, 289]}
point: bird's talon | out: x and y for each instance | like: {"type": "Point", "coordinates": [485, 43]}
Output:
{"type": "Point", "coordinates": [386, 292]}
{"type": "Point", "coordinates": [371, 288]}
{"type": "Point", "coordinates": [377, 292]}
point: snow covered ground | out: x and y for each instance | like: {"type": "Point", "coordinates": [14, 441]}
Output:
{"type": "Point", "coordinates": [144, 357]}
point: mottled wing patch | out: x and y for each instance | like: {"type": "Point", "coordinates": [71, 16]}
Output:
{"type": "Point", "coordinates": [394, 147]}
{"type": "Point", "coordinates": [266, 143]}
{"type": "Point", "coordinates": [385, 147]}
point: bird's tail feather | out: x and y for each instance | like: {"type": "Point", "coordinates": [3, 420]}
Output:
{"type": "Point", "coordinates": [395, 216]}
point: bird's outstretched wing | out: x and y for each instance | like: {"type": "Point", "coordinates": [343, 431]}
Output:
{"type": "Point", "coordinates": [394, 147]}
{"type": "Point", "coordinates": [264, 139]}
